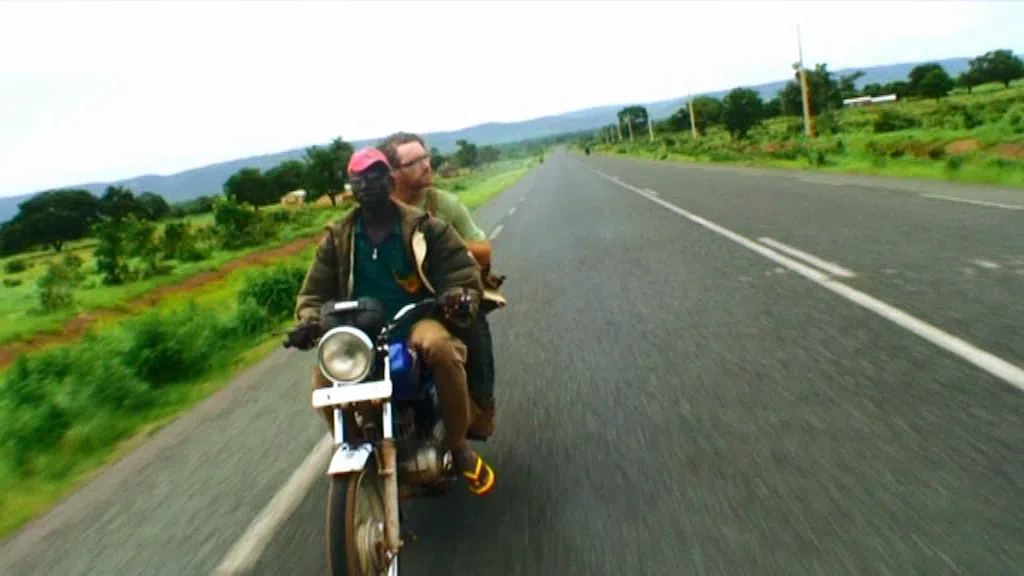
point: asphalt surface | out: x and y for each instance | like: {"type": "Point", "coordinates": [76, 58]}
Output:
{"type": "Point", "coordinates": [669, 400]}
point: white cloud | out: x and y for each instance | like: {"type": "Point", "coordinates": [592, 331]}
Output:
{"type": "Point", "coordinates": [99, 91]}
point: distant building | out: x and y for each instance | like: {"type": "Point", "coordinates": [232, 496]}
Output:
{"type": "Point", "coordinates": [866, 100]}
{"type": "Point", "coordinates": [294, 198]}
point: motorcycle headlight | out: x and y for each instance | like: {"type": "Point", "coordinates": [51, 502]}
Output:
{"type": "Point", "coordinates": [346, 354]}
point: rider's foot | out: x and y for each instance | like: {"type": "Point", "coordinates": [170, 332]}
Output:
{"type": "Point", "coordinates": [478, 474]}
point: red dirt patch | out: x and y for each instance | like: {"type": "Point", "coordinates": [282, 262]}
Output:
{"type": "Point", "coordinates": [76, 327]}
{"type": "Point", "coordinates": [1008, 150]}
{"type": "Point", "coordinates": [962, 146]}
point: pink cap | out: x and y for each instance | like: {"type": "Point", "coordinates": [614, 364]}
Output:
{"type": "Point", "coordinates": [365, 158]}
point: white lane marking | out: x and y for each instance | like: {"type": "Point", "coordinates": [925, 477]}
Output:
{"type": "Point", "coordinates": [651, 192]}
{"type": "Point", "coordinates": [521, 198]}
{"type": "Point", "coordinates": [988, 362]}
{"type": "Point", "coordinates": [830, 267]}
{"type": "Point", "coordinates": [972, 201]}
{"type": "Point", "coordinates": [497, 230]}
{"type": "Point", "coordinates": [985, 264]}
{"type": "Point", "coordinates": [247, 550]}
{"type": "Point", "coordinates": [512, 211]}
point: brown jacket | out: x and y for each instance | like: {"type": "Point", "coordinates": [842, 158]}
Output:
{"type": "Point", "coordinates": [441, 260]}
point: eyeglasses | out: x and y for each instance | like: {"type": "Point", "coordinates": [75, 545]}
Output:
{"type": "Point", "coordinates": [414, 161]}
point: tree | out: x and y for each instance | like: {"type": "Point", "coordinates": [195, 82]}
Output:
{"type": "Point", "coordinates": [489, 154]}
{"type": "Point", "coordinates": [848, 84]}
{"type": "Point", "coordinates": [824, 92]}
{"type": "Point", "coordinates": [249, 186]}
{"type": "Point", "coordinates": [707, 112]}
{"type": "Point", "coordinates": [51, 218]}
{"type": "Point", "coordinates": [153, 206]}
{"type": "Point", "coordinates": [326, 170]}
{"type": "Point", "coordinates": [436, 158]}
{"type": "Point", "coordinates": [467, 155]}
{"type": "Point", "coordinates": [742, 109]}
{"type": "Point", "coordinates": [633, 115]}
{"type": "Point", "coordinates": [936, 84]}
{"type": "Point", "coordinates": [286, 177]}
{"type": "Point", "coordinates": [873, 89]}
{"type": "Point", "coordinates": [900, 88]}
{"type": "Point", "coordinates": [678, 121]}
{"type": "Point", "coordinates": [919, 73]}
{"type": "Point", "coordinates": [118, 202]}
{"type": "Point", "coordinates": [998, 66]}
{"type": "Point", "coordinates": [970, 78]}
{"type": "Point", "coordinates": [772, 108]}
{"type": "Point", "coordinates": [111, 253]}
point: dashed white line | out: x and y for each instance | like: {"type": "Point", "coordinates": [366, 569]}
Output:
{"type": "Point", "coordinates": [830, 267]}
{"type": "Point", "coordinates": [651, 192]}
{"type": "Point", "coordinates": [521, 198]}
{"type": "Point", "coordinates": [976, 202]}
{"type": "Point", "coordinates": [985, 264]}
{"type": "Point", "coordinates": [497, 230]}
{"type": "Point", "coordinates": [994, 365]}
{"type": "Point", "coordinates": [247, 550]}
{"type": "Point", "coordinates": [512, 211]}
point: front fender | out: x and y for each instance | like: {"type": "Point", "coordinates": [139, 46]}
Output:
{"type": "Point", "coordinates": [349, 459]}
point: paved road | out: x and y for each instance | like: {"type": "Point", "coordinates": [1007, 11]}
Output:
{"type": "Point", "coordinates": [671, 399]}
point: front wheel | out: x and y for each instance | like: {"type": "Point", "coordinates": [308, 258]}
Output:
{"type": "Point", "coordinates": [355, 524]}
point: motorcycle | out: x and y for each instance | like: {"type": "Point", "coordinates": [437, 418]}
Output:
{"type": "Point", "coordinates": [385, 405]}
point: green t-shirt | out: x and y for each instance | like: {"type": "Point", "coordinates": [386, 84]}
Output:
{"type": "Point", "coordinates": [386, 272]}
{"type": "Point", "coordinates": [450, 209]}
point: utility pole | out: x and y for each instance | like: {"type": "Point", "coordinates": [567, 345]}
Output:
{"type": "Point", "coordinates": [618, 126]}
{"type": "Point", "coordinates": [650, 127]}
{"type": "Point", "coordinates": [693, 116]}
{"type": "Point", "coordinates": [629, 124]}
{"type": "Point", "coordinates": [808, 129]}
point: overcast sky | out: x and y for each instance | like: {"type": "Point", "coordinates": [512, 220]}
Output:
{"type": "Point", "coordinates": [93, 91]}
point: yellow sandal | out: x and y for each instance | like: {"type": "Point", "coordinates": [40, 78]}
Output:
{"type": "Point", "coordinates": [481, 479]}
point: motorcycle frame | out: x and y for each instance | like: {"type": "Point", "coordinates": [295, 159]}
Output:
{"type": "Point", "coordinates": [351, 459]}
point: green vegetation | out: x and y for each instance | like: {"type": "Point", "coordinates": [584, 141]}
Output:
{"type": "Point", "coordinates": [65, 411]}
{"type": "Point", "coordinates": [970, 129]}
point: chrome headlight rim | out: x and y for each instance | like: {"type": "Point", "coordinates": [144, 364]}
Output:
{"type": "Point", "coordinates": [361, 337]}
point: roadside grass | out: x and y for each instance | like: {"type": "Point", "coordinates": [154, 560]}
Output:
{"type": "Point", "coordinates": [67, 411]}
{"type": "Point", "coordinates": [969, 138]}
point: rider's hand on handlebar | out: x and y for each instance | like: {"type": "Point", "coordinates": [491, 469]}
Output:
{"type": "Point", "coordinates": [302, 336]}
{"type": "Point", "coordinates": [460, 305]}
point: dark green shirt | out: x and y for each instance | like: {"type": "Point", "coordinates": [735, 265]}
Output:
{"type": "Point", "coordinates": [386, 272]}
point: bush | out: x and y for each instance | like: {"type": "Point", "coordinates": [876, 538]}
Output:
{"type": "Point", "coordinates": [46, 394]}
{"type": "Point", "coordinates": [111, 252]}
{"type": "Point", "coordinates": [273, 289]}
{"type": "Point", "coordinates": [56, 286]}
{"type": "Point", "coordinates": [15, 265]}
{"type": "Point", "coordinates": [171, 347]}
{"type": "Point", "coordinates": [890, 120]}
{"type": "Point", "coordinates": [12, 282]}
{"type": "Point", "coordinates": [241, 226]}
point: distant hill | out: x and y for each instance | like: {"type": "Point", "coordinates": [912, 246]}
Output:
{"type": "Point", "coordinates": [209, 179]}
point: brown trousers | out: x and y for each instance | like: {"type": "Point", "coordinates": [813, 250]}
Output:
{"type": "Point", "coordinates": [446, 355]}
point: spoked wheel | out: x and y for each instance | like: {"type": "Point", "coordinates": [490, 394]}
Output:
{"type": "Point", "coordinates": [355, 525]}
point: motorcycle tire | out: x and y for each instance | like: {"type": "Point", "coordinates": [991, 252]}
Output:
{"type": "Point", "coordinates": [355, 518]}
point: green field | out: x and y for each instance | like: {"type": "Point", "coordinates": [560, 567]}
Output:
{"type": "Point", "coordinates": [68, 410]}
{"type": "Point", "coordinates": [977, 137]}
{"type": "Point", "coordinates": [21, 314]}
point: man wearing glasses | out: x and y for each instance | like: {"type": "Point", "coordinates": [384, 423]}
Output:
{"type": "Point", "coordinates": [370, 254]}
{"type": "Point", "coordinates": [410, 161]}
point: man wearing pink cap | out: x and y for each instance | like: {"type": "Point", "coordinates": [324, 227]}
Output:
{"type": "Point", "coordinates": [399, 255]}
